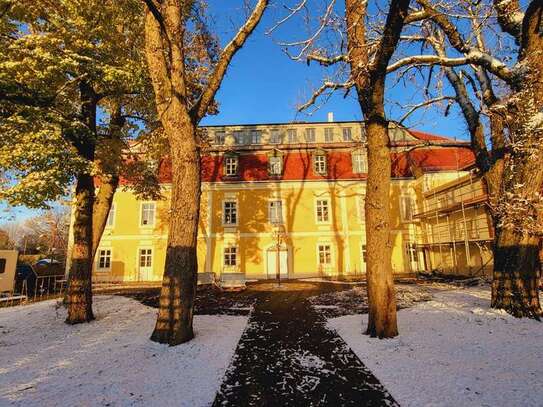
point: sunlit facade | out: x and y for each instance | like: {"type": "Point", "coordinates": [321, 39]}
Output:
{"type": "Point", "coordinates": [293, 194]}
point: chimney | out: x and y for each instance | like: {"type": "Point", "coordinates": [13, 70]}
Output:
{"type": "Point", "coordinates": [330, 117]}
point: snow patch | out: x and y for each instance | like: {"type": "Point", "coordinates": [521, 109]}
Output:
{"type": "Point", "coordinates": [454, 351]}
{"type": "Point", "coordinates": [110, 361]}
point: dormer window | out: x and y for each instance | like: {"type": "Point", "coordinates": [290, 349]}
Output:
{"type": "Point", "coordinates": [220, 137]}
{"type": "Point", "coordinates": [319, 163]}
{"type": "Point", "coordinates": [310, 135]}
{"type": "Point", "coordinates": [275, 137]}
{"type": "Point", "coordinates": [347, 134]}
{"type": "Point", "coordinates": [292, 136]}
{"type": "Point", "coordinates": [275, 163]}
{"type": "Point", "coordinates": [238, 137]}
{"type": "Point", "coordinates": [256, 137]}
{"type": "Point", "coordinates": [328, 134]}
{"type": "Point", "coordinates": [360, 162]}
{"type": "Point", "coordinates": [231, 164]}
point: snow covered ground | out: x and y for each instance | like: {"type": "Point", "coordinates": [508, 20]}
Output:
{"type": "Point", "coordinates": [111, 361]}
{"type": "Point", "coordinates": [454, 351]}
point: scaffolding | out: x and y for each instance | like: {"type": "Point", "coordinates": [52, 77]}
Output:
{"type": "Point", "coordinates": [454, 233]}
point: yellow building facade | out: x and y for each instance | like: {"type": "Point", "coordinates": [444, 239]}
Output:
{"type": "Point", "coordinates": [288, 198]}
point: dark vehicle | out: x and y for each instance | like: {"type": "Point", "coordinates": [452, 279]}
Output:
{"type": "Point", "coordinates": [25, 279]}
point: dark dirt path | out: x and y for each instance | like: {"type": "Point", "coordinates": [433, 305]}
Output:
{"type": "Point", "coordinates": [287, 357]}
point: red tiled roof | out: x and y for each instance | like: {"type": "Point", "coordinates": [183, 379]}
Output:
{"type": "Point", "coordinates": [298, 165]}
{"type": "Point", "coordinates": [421, 135]}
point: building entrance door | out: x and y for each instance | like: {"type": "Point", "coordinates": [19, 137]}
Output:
{"type": "Point", "coordinates": [145, 264]}
{"type": "Point", "coordinates": [272, 261]}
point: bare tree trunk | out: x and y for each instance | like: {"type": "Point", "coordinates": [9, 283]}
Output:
{"type": "Point", "coordinates": [165, 27]}
{"type": "Point", "coordinates": [79, 293]}
{"type": "Point", "coordinates": [515, 284]}
{"type": "Point", "coordinates": [110, 161]}
{"type": "Point", "coordinates": [515, 288]}
{"type": "Point", "coordinates": [101, 207]}
{"type": "Point", "coordinates": [174, 322]}
{"type": "Point", "coordinates": [369, 73]}
{"type": "Point", "coordinates": [381, 296]}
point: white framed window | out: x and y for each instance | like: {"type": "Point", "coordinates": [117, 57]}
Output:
{"type": "Point", "coordinates": [292, 135]}
{"type": "Point", "coordinates": [256, 137]}
{"type": "Point", "coordinates": [111, 216]}
{"type": "Point", "coordinates": [328, 134]}
{"type": "Point", "coordinates": [238, 137]}
{"type": "Point", "coordinates": [324, 254]}
{"type": "Point", "coordinates": [362, 134]}
{"type": "Point", "coordinates": [319, 164]}
{"type": "Point", "coordinates": [230, 213]}
{"type": "Point", "coordinates": [104, 260]}
{"type": "Point", "coordinates": [347, 134]}
{"type": "Point", "coordinates": [147, 214]}
{"type": "Point", "coordinates": [275, 137]}
{"type": "Point", "coordinates": [310, 135]}
{"type": "Point", "coordinates": [322, 211]}
{"type": "Point", "coordinates": [360, 162]}
{"type": "Point", "coordinates": [231, 164]}
{"type": "Point", "coordinates": [275, 212]}
{"type": "Point", "coordinates": [361, 208]}
{"type": "Point", "coordinates": [406, 208]}
{"type": "Point", "coordinates": [364, 253]}
{"type": "Point", "coordinates": [220, 137]}
{"type": "Point", "coordinates": [145, 258]}
{"type": "Point", "coordinates": [230, 256]}
{"type": "Point", "coordinates": [411, 250]}
{"type": "Point", "coordinates": [275, 165]}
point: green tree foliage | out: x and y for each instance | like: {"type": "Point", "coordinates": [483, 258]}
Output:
{"type": "Point", "coordinates": [47, 49]}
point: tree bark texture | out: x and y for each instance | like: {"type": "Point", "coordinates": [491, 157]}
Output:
{"type": "Point", "coordinates": [164, 38]}
{"type": "Point", "coordinates": [515, 287]}
{"type": "Point", "coordinates": [79, 293]}
{"type": "Point", "coordinates": [174, 322]}
{"type": "Point", "coordinates": [369, 74]}
{"type": "Point", "coordinates": [381, 294]}
{"type": "Point", "coordinates": [109, 163]}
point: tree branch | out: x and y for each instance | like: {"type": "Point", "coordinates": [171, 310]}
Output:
{"type": "Point", "coordinates": [424, 104]}
{"type": "Point", "coordinates": [472, 54]}
{"type": "Point", "coordinates": [326, 86]}
{"type": "Point", "coordinates": [201, 106]}
{"type": "Point", "coordinates": [510, 17]}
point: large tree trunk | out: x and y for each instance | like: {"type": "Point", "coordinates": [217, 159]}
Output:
{"type": "Point", "coordinates": [516, 258]}
{"type": "Point", "coordinates": [370, 74]}
{"type": "Point", "coordinates": [381, 296]}
{"type": "Point", "coordinates": [516, 277]}
{"type": "Point", "coordinates": [79, 295]}
{"type": "Point", "coordinates": [174, 322]}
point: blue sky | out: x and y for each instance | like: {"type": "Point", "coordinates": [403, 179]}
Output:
{"type": "Point", "coordinates": [263, 85]}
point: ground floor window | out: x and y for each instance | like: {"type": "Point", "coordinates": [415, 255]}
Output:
{"type": "Point", "coordinates": [364, 254]}
{"type": "Point", "coordinates": [325, 254]}
{"type": "Point", "coordinates": [230, 256]}
{"type": "Point", "coordinates": [146, 257]}
{"type": "Point", "coordinates": [104, 259]}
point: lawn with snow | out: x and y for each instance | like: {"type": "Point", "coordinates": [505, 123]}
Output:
{"type": "Point", "coordinates": [110, 361]}
{"type": "Point", "coordinates": [454, 351]}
